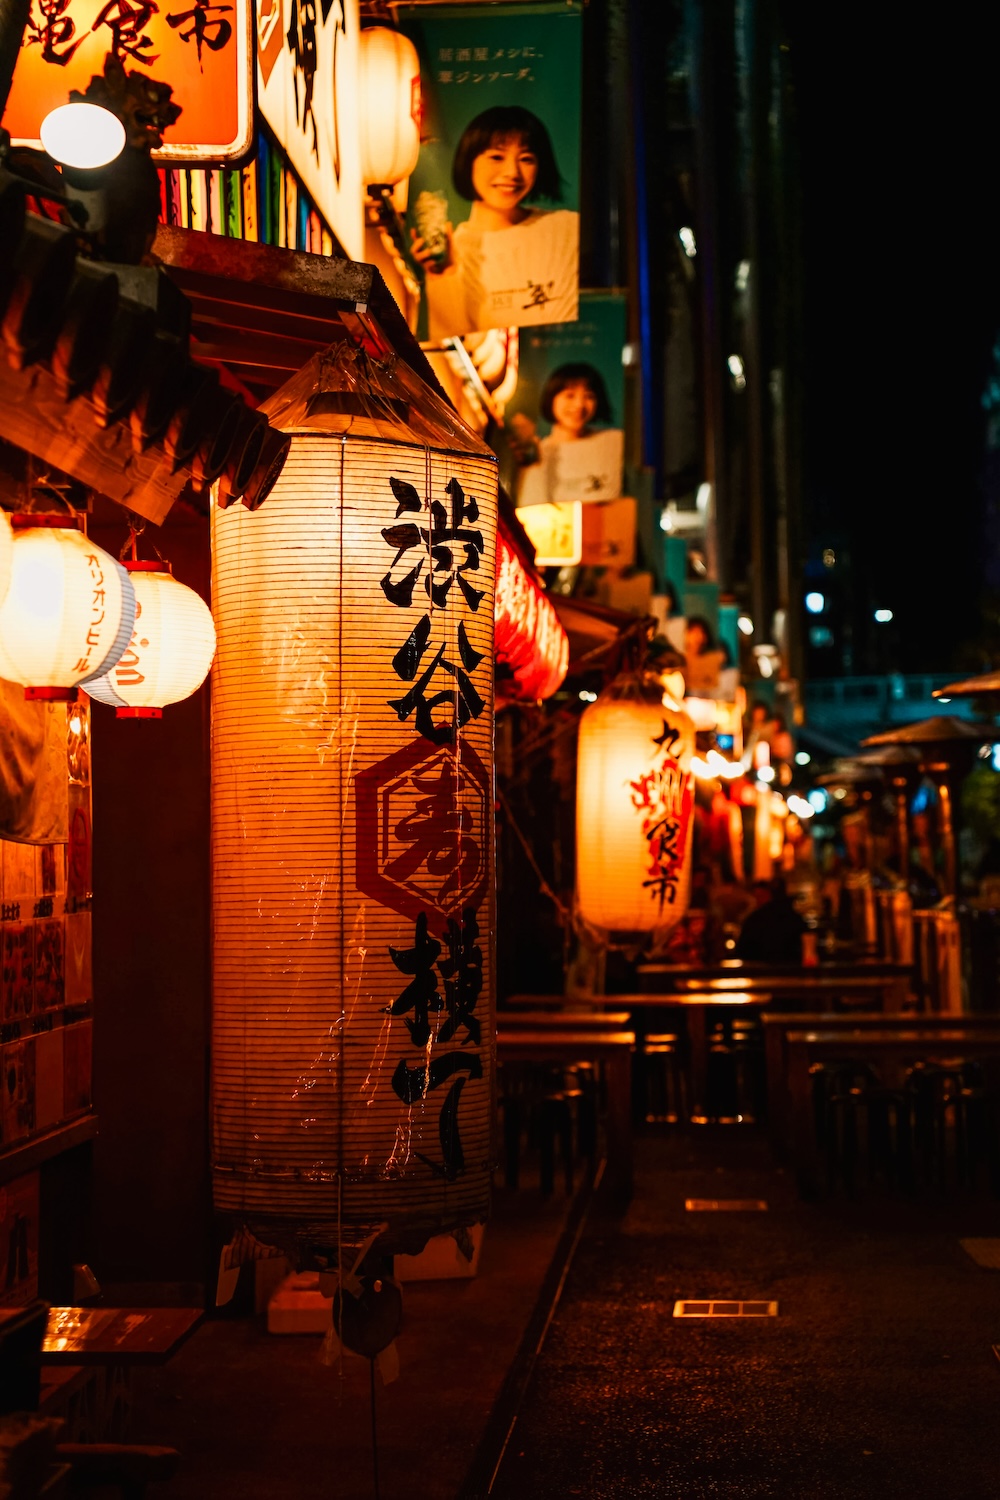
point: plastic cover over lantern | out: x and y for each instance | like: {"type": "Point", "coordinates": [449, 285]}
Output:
{"type": "Point", "coordinates": [171, 650]}
{"type": "Point", "coordinates": [69, 610]}
{"type": "Point", "coordinates": [634, 805]}
{"type": "Point", "coordinates": [352, 819]}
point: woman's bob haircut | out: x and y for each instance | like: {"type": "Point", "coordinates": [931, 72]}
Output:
{"type": "Point", "coordinates": [493, 128]}
{"type": "Point", "coordinates": [579, 373]}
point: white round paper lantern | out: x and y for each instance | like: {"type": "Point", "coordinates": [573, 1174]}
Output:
{"type": "Point", "coordinates": [352, 820]}
{"type": "Point", "coordinates": [171, 650]}
{"type": "Point", "coordinates": [6, 552]}
{"type": "Point", "coordinates": [69, 609]}
{"type": "Point", "coordinates": [389, 105]}
{"type": "Point", "coordinates": [634, 813]}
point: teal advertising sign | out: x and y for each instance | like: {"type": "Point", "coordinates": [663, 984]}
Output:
{"type": "Point", "coordinates": [565, 420]}
{"type": "Point", "coordinates": [494, 201]}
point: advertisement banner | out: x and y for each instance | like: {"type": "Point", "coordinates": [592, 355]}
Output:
{"type": "Point", "coordinates": [556, 533]}
{"type": "Point", "coordinates": [307, 91]}
{"type": "Point", "coordinates": [200, 49]}
{"type": "Point", "coordinates": [494, 201]}
{"type": "Point", "coordinates": [564, 423]}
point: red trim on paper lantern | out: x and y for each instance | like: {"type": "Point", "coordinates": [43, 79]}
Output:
{"type": "Point", "coordinates": [25, 520]}
{"type": "Point", "coordinates": [52, 695]}
{"type": "Point", "coordinates": [138, 713]}
{"type": "Point", "coordinates": [143, 565]}
{"type": "Point", "coordinates": [528, 635]}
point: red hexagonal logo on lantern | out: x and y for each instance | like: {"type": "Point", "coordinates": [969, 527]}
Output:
{"type": "Point", "coordinates": [423, 826]}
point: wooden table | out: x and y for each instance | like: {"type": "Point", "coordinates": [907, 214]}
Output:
{"type": "Point", "coordinates": [697, 1005]}
{"type": "Point", "coordinates": [532, 1011]}
{"type": "Point", "coordinates": [892, 1048]}
{"type": "Point", "coordinates": [778, 1026]}
{"type": "Point", "coordinates": [116, 1335]}
{"type": "Point", "coordinates": [887, 983]}
{"type": "Point", "coordinates": [559, 1042]}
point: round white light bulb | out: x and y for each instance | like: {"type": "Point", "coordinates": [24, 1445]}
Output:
{"type": "Point", "coordinates": [82, 135]}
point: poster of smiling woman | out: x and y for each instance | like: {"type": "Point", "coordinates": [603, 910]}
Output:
{"type": "Point", "coordinates": [494, 202]}
{"type": "Point", "coordinates": [565, 420]}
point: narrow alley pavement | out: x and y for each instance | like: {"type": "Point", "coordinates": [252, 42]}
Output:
{"type": "Point", "coordinates": [876, 1378]}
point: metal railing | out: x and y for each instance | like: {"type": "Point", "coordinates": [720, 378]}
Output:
{"type": "Point", "coordinates": [874, 702]}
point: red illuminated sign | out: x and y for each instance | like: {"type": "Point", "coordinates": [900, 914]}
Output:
{"type": "Point", "coordinates": [201, 48]}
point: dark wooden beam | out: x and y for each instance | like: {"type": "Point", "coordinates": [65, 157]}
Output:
{"type": "Point", "coordinates": [240, 281]}
{"type": "Point", "coordinates": [65, 434]}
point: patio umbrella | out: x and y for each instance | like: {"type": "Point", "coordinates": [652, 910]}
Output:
{"type": "Point", "coordinates": [942, 729]}
{"type": "Point", "coordinates": [970, 687]}
{"type": "Point", "coordinates": [901, 765]}
{"type": "Point", "coordinates": [849, 773]}
{"type": "Point", "coordinates": [942, 740]}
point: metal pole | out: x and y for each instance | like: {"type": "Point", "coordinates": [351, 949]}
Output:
{"type": "Point", "coordinates": [704, 114]}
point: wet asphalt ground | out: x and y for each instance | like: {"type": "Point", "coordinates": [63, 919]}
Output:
{"type": "Point", "coordinates": [877, 1377]}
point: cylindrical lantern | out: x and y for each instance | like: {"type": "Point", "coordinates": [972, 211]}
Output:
{"type": "Point", "coordinates": [352, 811]}
{"type": "Point", "coordinates": [388, 105]}
{"type": "Point", "coordinates": [171, 650]}
{"type": "Point", "coordinates": [634, 804]}
{"type": "Point", "coordinates": [6, 553]}
{"type": "Point", "coordinates": [532, 648]}
{"type": "Point", "coordinates": [69, 609]}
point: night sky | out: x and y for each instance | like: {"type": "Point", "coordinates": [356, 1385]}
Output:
{"type": "Point", "coordinates": [901, 186]}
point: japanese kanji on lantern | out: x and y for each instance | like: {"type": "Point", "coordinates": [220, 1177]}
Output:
{"type": "Point", "coordinates": [634, 805]}
{"type": "Point", "coordinates": [68, 611]}
{"type": "Point", "coordinates": [170, 652]}
{"type": "Point", "coordinates": [352, 818]}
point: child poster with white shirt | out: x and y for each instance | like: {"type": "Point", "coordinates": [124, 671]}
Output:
{"type": "Point", "coordinates": [564, 424]}
{"type": "Point", "coordinates": [493, 209]}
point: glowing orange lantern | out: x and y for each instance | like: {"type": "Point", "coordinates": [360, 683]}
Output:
{"type": "Point", "coordinates": [634, 803]}
{"type": "Point", "coordinates": [389, 105]}
{"type": "Point", "coordinates": [352, 818]}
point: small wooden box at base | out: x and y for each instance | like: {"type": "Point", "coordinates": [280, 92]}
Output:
{"type": "Point", "coordinates": [443, 1258]}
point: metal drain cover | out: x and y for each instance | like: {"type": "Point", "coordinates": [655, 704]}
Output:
{"type": "Point", "coordinates": [717, 1308]}
{"type": "Point", "coordinates": [726, 1205]}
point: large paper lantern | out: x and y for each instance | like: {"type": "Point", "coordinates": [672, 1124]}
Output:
{"type": "Point", "coordinates": [634, 805]}
{"type": "Point", "coordinates": [171, 649]}
{"type": "Point", "coordinates": [388, 105]}
{"type": "Point", "coordinates": [352, 813]}
{"type": "Point", "coordinates": [69, 609]}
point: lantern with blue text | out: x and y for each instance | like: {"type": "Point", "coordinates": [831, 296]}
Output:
{"type": "Point", "coordinates": [171, 649]}
{"type": "Point", "coordinates": [634, 813]}
{"type": "Point", "coordinates": [69, 609]}
{"type": "Point", "coordinates": [352, 812]}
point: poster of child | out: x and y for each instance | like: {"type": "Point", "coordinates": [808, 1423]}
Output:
{"type": "Point", "coordinates": [564, 422]}
{"type": "Point", "coordinates": [493, 213]}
